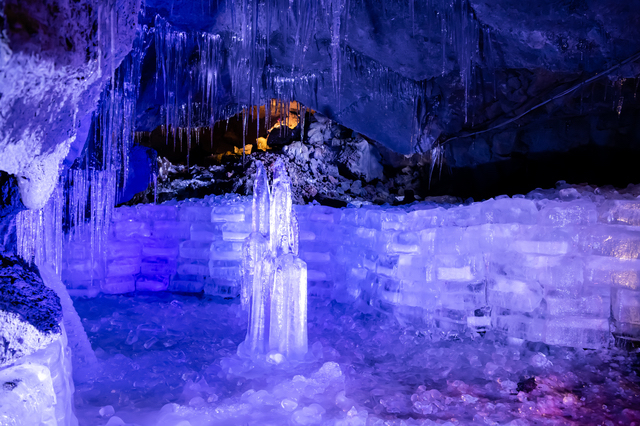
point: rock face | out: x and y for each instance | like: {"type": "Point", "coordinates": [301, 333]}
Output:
{"type": "Point", "coordinates": [362, 160]}
{"type": "Point", "coordinates": [55, 58]}
{"type": "Point", "coordinates": [30, 312]}
{"type": "Point", "coordinates": [10, 206]}
{"type": "Point", "coordinates": [407, 73]}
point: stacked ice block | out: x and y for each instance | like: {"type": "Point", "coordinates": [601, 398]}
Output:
{"type": "Point", "coordinates": [555, 266]}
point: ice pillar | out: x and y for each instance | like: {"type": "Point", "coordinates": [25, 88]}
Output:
{"type": "Point", "coordinates": [274, 285]}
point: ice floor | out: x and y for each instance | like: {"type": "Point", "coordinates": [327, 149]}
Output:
{"type": "Point", "coordinates": [169, 359]}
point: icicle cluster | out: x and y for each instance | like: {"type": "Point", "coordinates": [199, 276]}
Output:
{"type": "Point", "coordinates": [175, 70]}
{"type": "Point", "coordinates": [274, 286]}
{"type": "Point", "coordinates": [90, 201]}
{"type": "Point", "coordinates": [40, 234]}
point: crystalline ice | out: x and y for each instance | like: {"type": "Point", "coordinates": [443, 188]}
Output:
{"type": "Point", "coordinates": [288, 327]}
{"type": "Point", "coordinates": [274, 282]}
{"type": "Point", "coordinates": [27, 396]}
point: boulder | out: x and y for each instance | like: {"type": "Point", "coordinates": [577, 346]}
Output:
{"type": "Point", "coordinates": [361, 160]}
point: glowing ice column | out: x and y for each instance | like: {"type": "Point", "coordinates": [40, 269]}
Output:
{"type": "Point", "coordinates": [274, 285]}
{"type": "Point", "coordinates": [258, 268]}
{"type": "Point", "coordinates": [288, 327]}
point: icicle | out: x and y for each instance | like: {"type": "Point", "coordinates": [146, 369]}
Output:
{"type": "Point", "coordinates": [302, 118]}
{"type": "Point", "coordinates": [155, 188]}
{"type": "Point", "coordinates": [336, 12]}
{"type": "Point", "coordinates": [619, 106]}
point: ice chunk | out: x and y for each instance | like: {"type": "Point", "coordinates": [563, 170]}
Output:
{"type": "Point", "coordinates": [157, 266]}
{"type": "Point", "coordinates": [170, 229]}
{"type": "Point", "coordinates": [119, 248]}
{"type": "Point", "coordinates": [455, 274]}
{"type": "Point", "coordinates": [132, 229]}
{"type": "Point", "coordinates": [580, 332]}
{"type": "Point", "coordinates": [231, 213]}
{"type": "Point", "coordinates": [288, 329]}
{"type": "Point", "coordinates": [192, 213]}
{"type": "Point", "coordinates": [203, 231]}
{"type": "Point", "coordinates": [542, 247]}
{"type": "Point", "coordinates": [153, 283]}
{"type": "Point", "coordinates": [157, 212]}
{"type": "Point", "coordinates": [120, 284]}
{"type": "Point", "coordinates": [235, 231]}
{"type": "Point", "coordinates": [123, 266]}
{"type": "Point", "coordinates": [160, 248]}
{"type": "Point", "coordinates": [563, 214]}
{"type": "Point", "coordinates": [27, 396]}
{"type": "Point", "coordinates": [514, 294]}
{"type": "Point", "coordinates": [626, 212]}
{"type": "Point", "coordinates": [626, 306]}
{"type": "Point", "coordinates": [195, 250]}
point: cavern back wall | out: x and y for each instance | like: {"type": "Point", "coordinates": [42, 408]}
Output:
{"type": "Point", "coordinates": [415, 76]}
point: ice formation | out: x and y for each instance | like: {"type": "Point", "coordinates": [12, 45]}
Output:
{"type": "Point", "coordinates": [274, 284]}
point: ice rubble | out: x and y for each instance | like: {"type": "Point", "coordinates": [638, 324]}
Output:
{"type": "Point", "coordinates": [363, 367]}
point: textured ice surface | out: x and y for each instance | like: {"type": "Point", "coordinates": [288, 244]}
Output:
{"type": "Point", "coordinates": [27, 396]}
{"type": "Point", "coordinates": [169, 359]}
{"type": "Point", "coordinates": [521, 265]}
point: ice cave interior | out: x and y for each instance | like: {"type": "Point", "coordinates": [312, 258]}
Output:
{"type": "Point", "coordinates": [319, 212]}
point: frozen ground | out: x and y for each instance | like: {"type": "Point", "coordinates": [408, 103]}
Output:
{"type": "Point", "coordinates": [169, 359]}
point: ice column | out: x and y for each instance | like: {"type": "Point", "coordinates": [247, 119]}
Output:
{"type": "Point", "coordinates": [274, 285]}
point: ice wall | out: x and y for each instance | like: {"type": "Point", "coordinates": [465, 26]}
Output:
{"type": "Point", "coordinates": [38, 388]}
{"type": "Point", "coordinates": [558, 266]}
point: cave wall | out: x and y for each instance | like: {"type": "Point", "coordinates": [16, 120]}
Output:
{"type": "Point", "coordinates": [413, 76]}
{"type": "Point", "coordinates": [409, 74]}
{"type": "Point", "coordinates": [55, 60]}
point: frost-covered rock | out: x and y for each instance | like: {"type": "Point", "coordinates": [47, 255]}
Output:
{"type": "Point", "coordinates": [55, 58]}
{"type": "Point", "coordinates": [30, 312]}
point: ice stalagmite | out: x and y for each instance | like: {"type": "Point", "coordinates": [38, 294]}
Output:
{"type": "Point", "coordinates": [258, 268]}
{"type": "Point", "coordinates": [275, 279]}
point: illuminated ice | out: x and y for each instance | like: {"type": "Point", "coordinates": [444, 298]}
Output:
{"type": "Point", "coordinates": [274, 284]}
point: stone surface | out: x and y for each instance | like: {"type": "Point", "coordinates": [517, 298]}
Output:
{"type": "Point", "coordinates": [55, 58]}
{"type": "Point", "coordinates": [404, 73]}
{"type": "Point", "coordinates": [10, 206]}
{"type": "Point", "coordinates": [30, 312]}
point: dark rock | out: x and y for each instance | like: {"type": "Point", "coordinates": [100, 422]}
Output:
{"type": "Point", "coordinates": [10, 206]}
{"type": "Point", "coordinates": [22, 292]}
{"type": "Point", "coordinates": [30, 312]}
{"type": "Point", "coordinates": [330, 202]}
{"type": "Point", "coordinates": [361, 160]}
{"type": "Point", "coordinates": [55, 54]}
